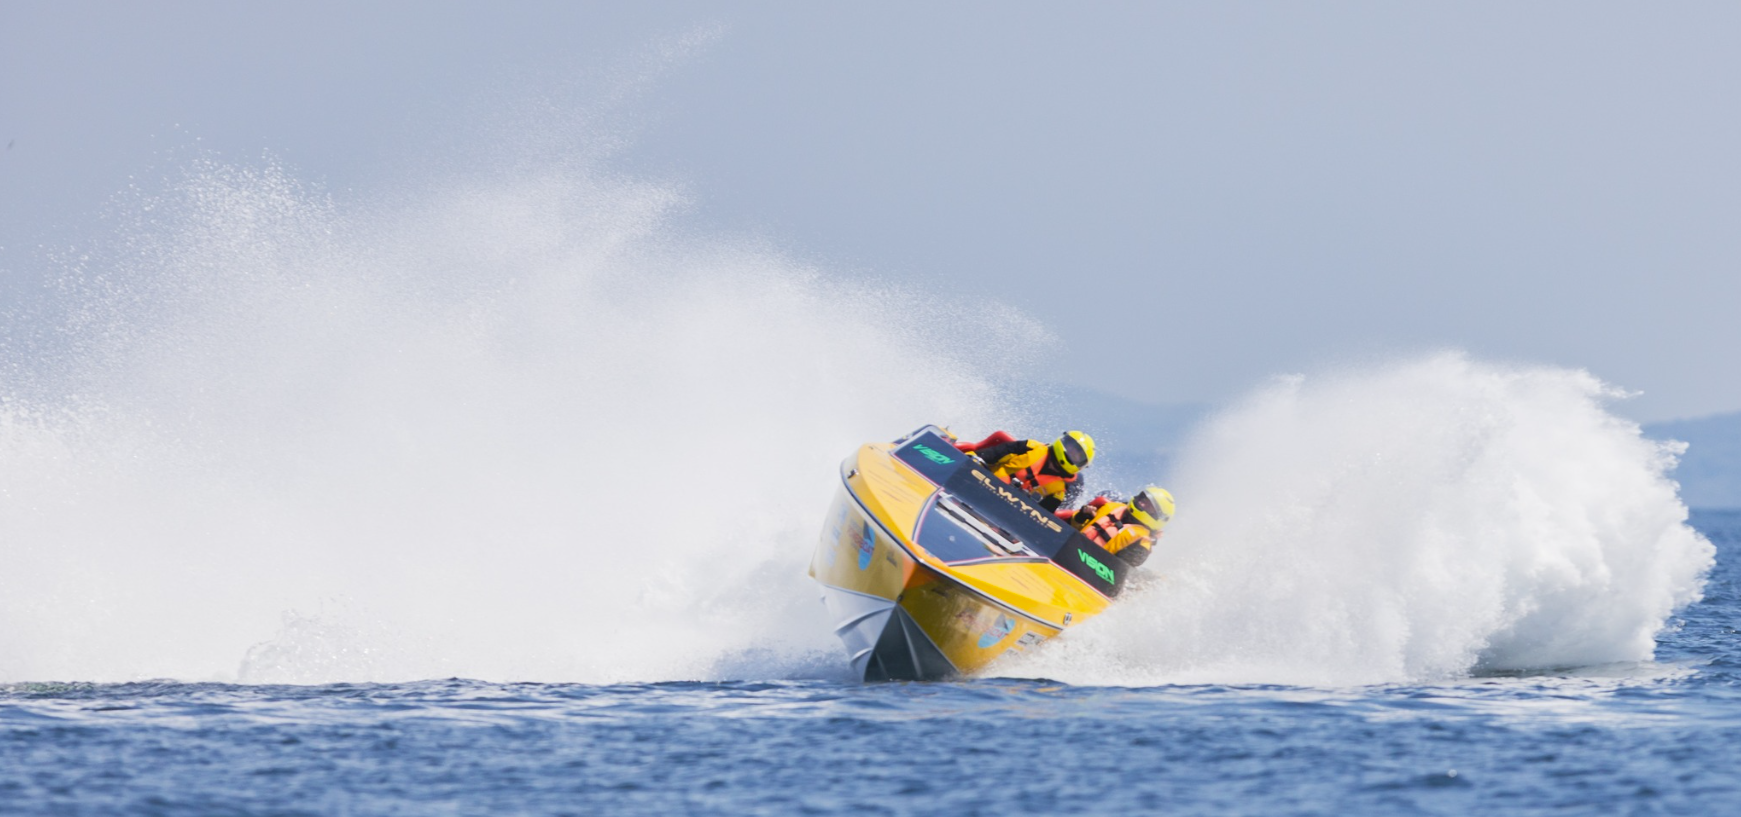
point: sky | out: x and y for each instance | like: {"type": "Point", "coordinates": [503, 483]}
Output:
{"type": "Point", "coordinates": [1191, 197]}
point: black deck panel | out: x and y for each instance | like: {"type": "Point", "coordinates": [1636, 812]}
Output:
{"type": "Point", "coordinates": [1008, 508]}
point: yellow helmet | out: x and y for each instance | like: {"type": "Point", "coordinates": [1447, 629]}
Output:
{"type": "Point", "coordinates": [1153, 507]}
{"type": "Point", "coordinates": [1073, 451]}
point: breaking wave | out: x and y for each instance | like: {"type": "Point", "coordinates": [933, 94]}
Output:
{"type": "Point", "coordinates": [1419, 520]}
{"type": "Point", "coordinates": [525, 427]}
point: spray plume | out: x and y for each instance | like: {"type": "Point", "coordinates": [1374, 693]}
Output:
{"type": "Point", "coordinates": [523, 427]}
{"type": "Point", "coordinates": [1418, 520]}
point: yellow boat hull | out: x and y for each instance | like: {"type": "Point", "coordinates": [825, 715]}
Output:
{"type": "Point", "coordinates": [931, 569]}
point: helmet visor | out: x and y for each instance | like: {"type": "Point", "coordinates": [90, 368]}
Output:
{"type": "Point", "coordinates": [1074, 452]}
{"type": "Point", "coordinates": [1145, 504]}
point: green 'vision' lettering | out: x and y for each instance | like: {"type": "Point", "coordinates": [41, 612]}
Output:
{"type": "Point", "coordinates": [933, 456]}
{"type": "Point", "coordinates": [1094, 564]}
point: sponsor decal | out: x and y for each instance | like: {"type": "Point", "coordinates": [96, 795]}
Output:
{"type": "Point", "coordinates": [1027, 640]}
{"type": "Point", "coordinates": [867, 545]}
{"type": "Point", "coordinates": [1095, 565]}
{"type": "Point", "coordinates": [929, 455]}
{"type": "Point", "coordinates": [1009, 496]}
{"type": "Point", "coordinates": [932, 455]}
{"type": "Point", "coordinates": [1000, 630]}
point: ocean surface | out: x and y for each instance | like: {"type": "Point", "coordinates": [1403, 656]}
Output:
{"type": "Point", "coordinates": [1639, 739]}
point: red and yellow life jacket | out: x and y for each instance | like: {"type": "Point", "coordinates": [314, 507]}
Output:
{"type": "Point", "coordinates": [1111, 528]}
{"type": "Point", "coordinates": [1028, 469]}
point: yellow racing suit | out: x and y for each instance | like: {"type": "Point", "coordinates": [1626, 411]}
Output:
{"type": "Point", "coordinates": [1028, 463]}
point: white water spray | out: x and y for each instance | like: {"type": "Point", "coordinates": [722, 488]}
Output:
{"type": "Point", "coordinates": [525, 428]}
{"type": "Point", "coordinates": [520, 429]}
{"type": "Point", "coordinates": [1414, 521]}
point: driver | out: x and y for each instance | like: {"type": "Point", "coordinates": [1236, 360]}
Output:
{"type": "Point", "coordinates": [1048, 471]}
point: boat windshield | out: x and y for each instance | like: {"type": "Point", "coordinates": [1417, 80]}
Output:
{"type": "Point", "coordinates": [953, 532]}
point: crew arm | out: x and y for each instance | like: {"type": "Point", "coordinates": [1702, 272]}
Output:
{"type": "Point", "coordinates": [991, 454]}
{"type": "Point", "coordinates": [1072, 491]}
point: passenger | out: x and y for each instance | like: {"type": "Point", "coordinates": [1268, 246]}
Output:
{"type": "Point", "coordinates": [1127, 530]}
{"type": "Point", "coordinates": [1049, 471]}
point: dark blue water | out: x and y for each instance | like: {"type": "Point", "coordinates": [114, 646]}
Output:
{"type": "Point", "coordinates": [1656, 739]}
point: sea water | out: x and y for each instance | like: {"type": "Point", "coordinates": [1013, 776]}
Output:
{"type": "Point", "coordinates": [496, 496]}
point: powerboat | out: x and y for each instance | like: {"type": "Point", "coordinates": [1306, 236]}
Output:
{"type": "Point", "coordinates": [933, 568]}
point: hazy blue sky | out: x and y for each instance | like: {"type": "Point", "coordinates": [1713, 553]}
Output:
{"type": "Point", "coordinates": [1192, 196]}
